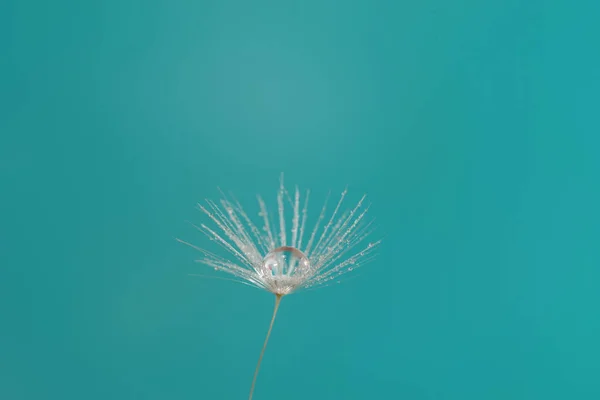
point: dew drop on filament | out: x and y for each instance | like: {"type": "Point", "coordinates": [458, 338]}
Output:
{"type": "Point", "coordinates": [285, 261]}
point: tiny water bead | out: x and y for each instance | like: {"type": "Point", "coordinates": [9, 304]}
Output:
{"type": "Point", "coordinates": [285, 261]}
{"type": "Point", "coordinates": [284, 269]}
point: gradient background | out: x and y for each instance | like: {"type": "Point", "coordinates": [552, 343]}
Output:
{"type": "Point", "coordinates": [473, 127]}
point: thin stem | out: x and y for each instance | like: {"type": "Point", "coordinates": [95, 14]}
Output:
{"type": "Point", "coordinates": [262, 353]}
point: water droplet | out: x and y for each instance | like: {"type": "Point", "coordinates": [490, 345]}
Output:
{"type": "Point", "coordinates": [287, 261]}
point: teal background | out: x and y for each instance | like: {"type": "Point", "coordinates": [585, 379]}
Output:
{"type": "Point", "coordinates": [473, 127]}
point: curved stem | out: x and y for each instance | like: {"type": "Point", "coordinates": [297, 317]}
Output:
{"type": "Point", "coordinates": [262, 353]}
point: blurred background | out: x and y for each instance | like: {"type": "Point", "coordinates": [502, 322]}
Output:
{"type": "Point", "coordinates": [472, 126]}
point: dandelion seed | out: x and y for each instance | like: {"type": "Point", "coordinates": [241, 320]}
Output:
{"type": "Point", "coordinates": [277, 262]}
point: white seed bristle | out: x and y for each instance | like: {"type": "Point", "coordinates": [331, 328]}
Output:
{"type": "Point", "coordinates": [322, 262]}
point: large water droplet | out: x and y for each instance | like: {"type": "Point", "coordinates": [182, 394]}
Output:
{"type": "Point", "coordinates": [285, 261]}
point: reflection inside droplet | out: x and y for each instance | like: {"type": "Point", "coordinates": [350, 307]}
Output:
{"type": "Point", "coordinates": [285, 261]}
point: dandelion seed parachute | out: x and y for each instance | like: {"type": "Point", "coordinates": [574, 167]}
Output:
{"type": "Point", "coordinates": [281, 264]}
